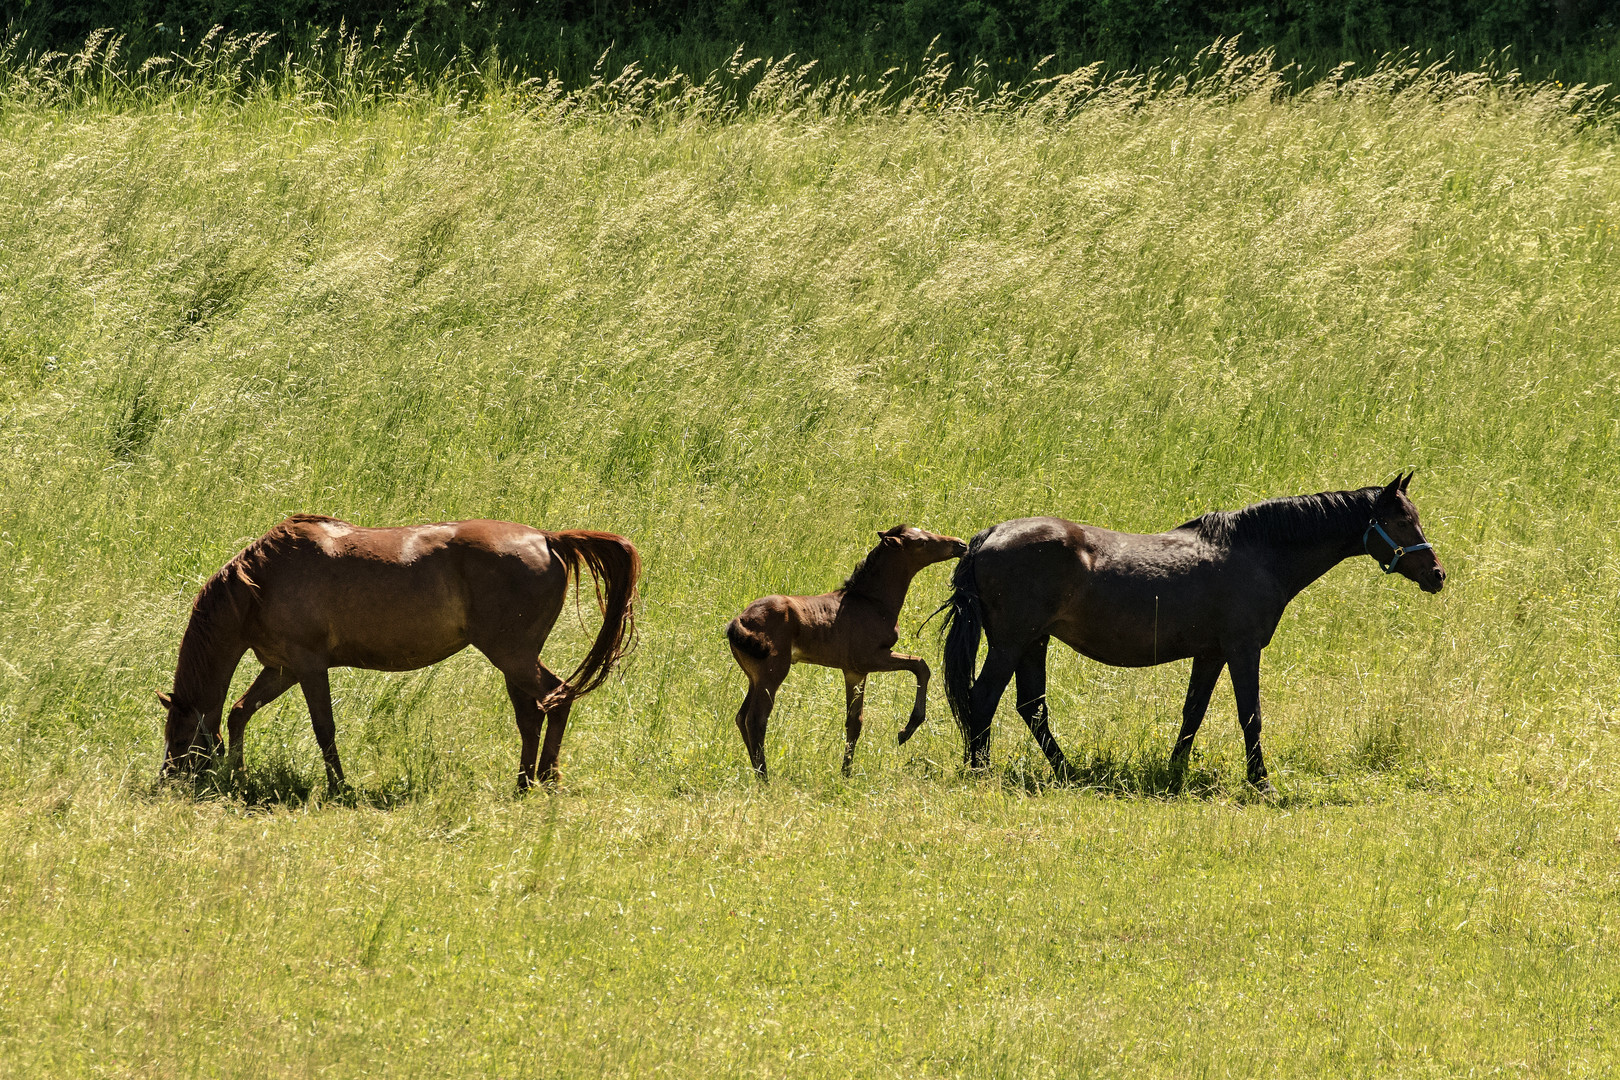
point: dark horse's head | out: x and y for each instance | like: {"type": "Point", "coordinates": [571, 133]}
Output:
{"type": "Point", "coordinates": [1396, 540]}
{"type": "Point", "coordinates": [188, 744]}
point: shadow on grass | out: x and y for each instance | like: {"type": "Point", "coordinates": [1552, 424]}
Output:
{"type": "Point", "coordinates": [1148, 776]}
{"type": "Point", "coordinates": [279, 784]}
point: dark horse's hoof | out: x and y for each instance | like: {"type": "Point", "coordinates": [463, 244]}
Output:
{"type": "Point", "coordinates": [1263, 788]}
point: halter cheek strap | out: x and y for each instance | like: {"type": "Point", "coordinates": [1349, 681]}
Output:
{"type": "Point", "coordinates": [1395, 550]}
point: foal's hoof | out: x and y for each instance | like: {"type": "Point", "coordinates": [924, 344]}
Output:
{"type": "Point", "coordinates": [909, 730]}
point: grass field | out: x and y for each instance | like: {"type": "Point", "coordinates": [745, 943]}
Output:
{"type": "Point", "coordinates": [747, 333]}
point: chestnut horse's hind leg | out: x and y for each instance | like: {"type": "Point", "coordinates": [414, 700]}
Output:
{"type": "Point", "coordinates": [318, 696]}
{"type": "Point", "coordinates": [530, 720]}
{"type": "Point", "coordinates": [527, 690]}
{"type": "Point", "coordinates": [270, 684]}
{"type": "Point", "coordinates": [556, 724]}
{"type": "Point", "coordinates": [854, 705]}
{"type": "Point", "coordinates": [1032, 705]}
{"type": "Point", "coordinates": [1206, 671]}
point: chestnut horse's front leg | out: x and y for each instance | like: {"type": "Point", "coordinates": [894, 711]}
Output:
{"type": "Point", "coordinates": [270, 684]}
{"type": "Point", "coordinates": [318, 696]}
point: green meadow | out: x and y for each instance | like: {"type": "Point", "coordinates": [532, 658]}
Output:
{"type": "Point", "coordinates": [747, 321]}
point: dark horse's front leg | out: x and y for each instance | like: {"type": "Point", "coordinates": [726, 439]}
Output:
{"type": "Point", "coordinates": [1245, 666]}
{"type": "Point", "coordinates": [1206, 670]}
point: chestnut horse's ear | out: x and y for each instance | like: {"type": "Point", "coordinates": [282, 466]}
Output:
{"type": "Point", "coordinates": [165, 700]}
{"type": "Point", "coordinates": [888, 538]}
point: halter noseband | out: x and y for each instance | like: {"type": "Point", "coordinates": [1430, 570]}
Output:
{"type": "Point", "coordinates": [1395, 550]}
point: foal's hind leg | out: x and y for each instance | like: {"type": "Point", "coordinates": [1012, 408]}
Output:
{"type": "Point", "coordinates": [854, 706]}
{"type": "Point", "coordinates": [1206, 670]}
{"type": "Point", "coordinates": [1032, 705]}
{"type": "Point", "coordinates": [764, 679]}
{"type": "Point", "coordinates": [270, 684]}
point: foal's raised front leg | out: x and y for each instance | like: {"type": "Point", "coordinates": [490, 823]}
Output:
{"type": "Point", "coordinates": [1206, 670]}
{"type": "Point", "coordinates": [894, 661]}
{"type": "Point", "coordinates": [270, 684]}
{"type": "Point", "coordinates": [1245, 665]}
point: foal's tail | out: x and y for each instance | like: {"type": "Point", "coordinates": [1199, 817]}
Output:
{"type": "Point", "coordinates": [963, 625]}
{"type": "Point", "coordinates": [616, 565]}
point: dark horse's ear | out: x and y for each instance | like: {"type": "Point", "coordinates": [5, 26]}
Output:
{"type": "Point", "coordinates": [1391, 489]}
{"type": "Point", "coordinates": [1408, 481]}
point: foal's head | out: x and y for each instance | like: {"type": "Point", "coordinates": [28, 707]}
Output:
{"type": "Point", "coordinates": [1393, 534]}
{"type": "Point", "coordinates": [186, 744]}
{"type": "Point", "coordinates": [921, 547]}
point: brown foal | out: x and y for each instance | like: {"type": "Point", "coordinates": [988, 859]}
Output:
{"type": "Point", "coordinates": [854, 629]}
{"type": "Point", "coordinates": [316, 593]}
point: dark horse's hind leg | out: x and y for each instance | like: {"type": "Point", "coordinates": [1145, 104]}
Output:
{"type": "Point", "coordinates": [1246, 688]}
{"type": "Point", "coordinates": [1206, 670]}
{"type": "Point", "coordinates": [993, 678]}
{"type": "Point", "coordinates": [318, 696]}
{"type": "Point", "coordinates": [1032, 705]}
{"type": "Point", "coordinates": [270, 684]}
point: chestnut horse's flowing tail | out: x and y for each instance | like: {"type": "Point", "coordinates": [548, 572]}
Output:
{"type": "Point", "coordinates": [615, 564]}
{"type": "Point", "coordinates": [963, 625]}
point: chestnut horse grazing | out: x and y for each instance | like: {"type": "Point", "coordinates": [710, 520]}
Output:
{"type": "Point", "coordinates": [853, 628]}
{"type": "Point", "coordinates": [316, 593]}
{"type": "Point", "coordinates": [1212, 590]}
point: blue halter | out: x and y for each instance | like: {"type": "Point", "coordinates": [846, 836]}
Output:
{"type": "Point", "coordinates": [1395, 550]}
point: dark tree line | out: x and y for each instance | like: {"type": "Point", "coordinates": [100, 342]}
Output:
{"type": "Point", "coordinates": [868, 35]}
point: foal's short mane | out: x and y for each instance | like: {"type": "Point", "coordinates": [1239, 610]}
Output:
{"type": "Point", "coordinates": [867, 570]}
{"type": "Point", "coordinates": [1292, 519]}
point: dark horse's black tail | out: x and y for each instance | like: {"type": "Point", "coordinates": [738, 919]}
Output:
{"type": "Point", "coordinates": [963, 625]}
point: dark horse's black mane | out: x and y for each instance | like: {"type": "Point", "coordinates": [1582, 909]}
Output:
{"type": "Point", "coordinates": [1293, 519]}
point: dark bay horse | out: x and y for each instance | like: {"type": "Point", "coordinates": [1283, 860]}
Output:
{"type": "Point", "coordinates": [854, 629]}
{"type": "Point", "coordinates": [316, 593]}
{"type": "Point", "coordinates": [1212, 590]}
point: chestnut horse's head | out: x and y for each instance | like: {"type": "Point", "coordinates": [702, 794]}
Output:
{"type": "Point", "coordinates": [187, 742]}
{"type": "Point", "coordinates": [924, 547]}
{"type": "Point", "coordinates": [1395, 539]}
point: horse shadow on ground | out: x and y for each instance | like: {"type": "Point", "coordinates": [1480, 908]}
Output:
{"type": "Point", "coordinates": [281, 785]}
